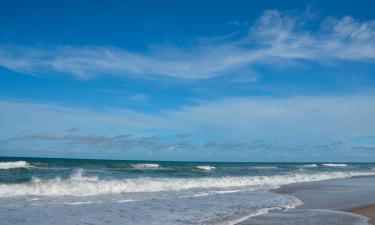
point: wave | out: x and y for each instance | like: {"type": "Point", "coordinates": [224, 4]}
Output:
{"type": "Point", "coordinates": [205, 168]}
{"type": "Point", "coordinates": [258, 212]}
{"type": "Point", "coordinates": [145, 166]}
{"type": "Point", "coordinates": [79, 185]}
{"type": "Point", "coordinates": [201, 194]}
{"type": "Point", "coordinates": [79, 203]}
{"type": "Point", "coordinates": [335, 164]}
{"type": "Point", "coordinates": [309, 165]}
{"type": "Point", "coordinates": [290, 205]}
{"type": "Point", "coordinates": [264, 167]}
{"type": "Point", "coordinates": [14, 165]}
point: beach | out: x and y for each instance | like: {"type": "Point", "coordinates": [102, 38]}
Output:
{"type": "Point", "coordinates": [38, 191]}
{"type": "Point", "coordinates": [340, 198]}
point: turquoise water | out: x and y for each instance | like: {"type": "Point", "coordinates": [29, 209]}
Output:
{"type": "Point", "coordinates": [79, 191]}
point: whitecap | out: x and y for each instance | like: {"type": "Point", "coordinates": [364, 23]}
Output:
{"type": "Point", "coordinates": [79, 185]}
{"type": "Point", "coordinates": [14, 165]}
{"type": "Point", "coordinates": [309, 165]}
{"type": "Point", "coordinates": [205, 168]}
{"type": "Point", "coordinates": [145, 166]}
{"type": "Point", "coordinates": [335, 164]}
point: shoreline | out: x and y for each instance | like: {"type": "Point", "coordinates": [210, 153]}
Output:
{"type": "Point", "coordinates": [337, 194]}
{"type": "Point", "coordinates": [367, 211]}
{"type": "Point", "coordinates": [341, 202]}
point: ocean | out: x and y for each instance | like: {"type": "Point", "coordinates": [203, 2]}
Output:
{"type": "Point", "coordinates": [80, 191]}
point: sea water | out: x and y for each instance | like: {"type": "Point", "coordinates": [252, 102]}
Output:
{"type": "Point", "coordinates": [72, 191]}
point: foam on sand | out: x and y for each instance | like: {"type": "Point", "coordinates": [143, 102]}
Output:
{"type": "Point", "coordinates": [264, 211]}
{"type": "Point", "coordinates": [79, 185]}
{"type": "Point", "coordinates": [14, 165]}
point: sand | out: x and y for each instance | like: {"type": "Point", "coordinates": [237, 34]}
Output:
{"type": "Point", "coordinates": [368, 211]}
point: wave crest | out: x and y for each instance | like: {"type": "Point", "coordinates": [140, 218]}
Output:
{"type": "Point", "coordinates": [145, 166]}
{"type": "Point", "coordinates": [205, 168]}
{"type": "Point", "coordinates": [335, 164]}
{"type": "Point", "coordinates": [309, 165]}
{"type": "Point", "coordinates": [79, 185]}
{"type": "Point", "coordinates": [14, 165]}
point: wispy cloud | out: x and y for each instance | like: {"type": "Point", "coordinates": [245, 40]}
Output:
{"type": "Point", "coordinates": [257, 145]}
{"type": "Point", "coordinates": [275, 37]}
{"type": "Point", "coordinates": [257, 124]}
{"type": "Point", "coordinates": [120, 142]}
{"type": "Point", "coordinates": [138, 98]}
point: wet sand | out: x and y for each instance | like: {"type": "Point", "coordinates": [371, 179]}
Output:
{"type": "Point", "coordinates": [340, 202]}
{"type": "Point", "coordinates": [368, 211]}
{"type": "Point", "coordinates": [342, 194]}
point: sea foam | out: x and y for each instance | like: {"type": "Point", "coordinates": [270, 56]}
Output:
{"type": "Point", "coordinates": [145, 166]}
{"type": "Point", "coordinates": [79, 185]}
{"type": "Point", "coordinates": [205, 168]}
{"type": "Point", "coordinates": [79, 203]}
{"type": "Point", "coordinates": [310, 165]}
{"type": "Point", "coordinates": [335, 164]}
{"type": "Point", "coordinates": [14, 165]}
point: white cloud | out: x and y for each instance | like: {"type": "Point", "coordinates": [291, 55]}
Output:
{"type": "Point", "coordinates": [274, 37]}
{"type": "Point", "coordinates": [270, 128]}
{"type": "Point", "coordinates": [138, 98]}
{"type": "Point", "coordinates": [294, 120]}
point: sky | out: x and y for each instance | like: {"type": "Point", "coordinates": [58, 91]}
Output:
{"type": "Point", "coordinates": [266, 81]}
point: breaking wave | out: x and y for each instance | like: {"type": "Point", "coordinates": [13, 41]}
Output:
{"type": "Point", "coordinates": [205, 168]}
{"type": "Point", "coordinates": [14, 165]}
{"type": "Point", "coordinates": [79, 185]}
{"type": "Point", "coordinates": [145, 166]}
{"type": "Point", "coordinates": [335, 164]}
{"type": "Point", "coordinates": [309, 165]}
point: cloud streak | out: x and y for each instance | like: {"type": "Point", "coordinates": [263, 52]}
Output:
{"type": "Point", "coordinates": [276, 37]}
{"type": "Point", "coordinates": [121, 142]}
{"type": "Point", "coordinates": [281, 125]}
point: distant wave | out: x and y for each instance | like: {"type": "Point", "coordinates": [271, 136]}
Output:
{"type": "Point", "coordinates": [335, 164]}
{"type": "Point", "coordinates": [205, 168]}
{"type": "Point", "coordinates": [309, 165]}
{"type": "Point", "coordinates": [145, 166]}
{"type": "Point", "coordinates": [79, 185]}
{"type": "Point", "coordinates": [264, 167]}
{"type": "Point", "coordinates": [14, 165]}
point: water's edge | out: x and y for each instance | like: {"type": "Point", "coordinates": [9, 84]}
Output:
{"type": "Point", "coordinates": [334, 196]}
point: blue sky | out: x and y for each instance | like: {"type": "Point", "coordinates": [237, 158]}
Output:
{"type": "Point", "coordinates": [188, 80]}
